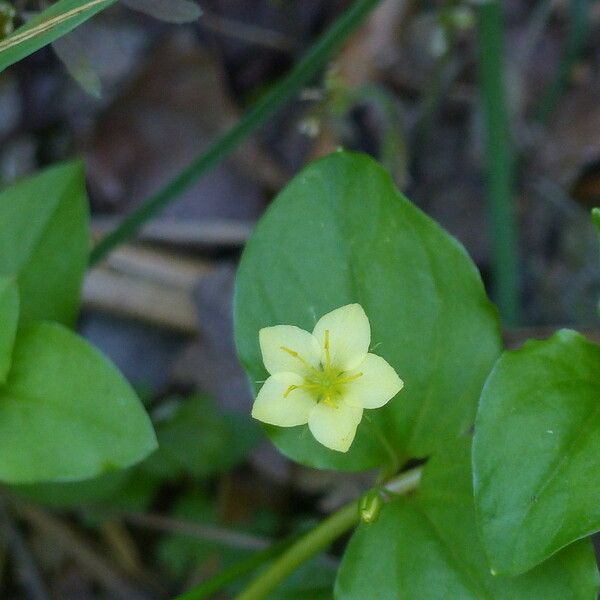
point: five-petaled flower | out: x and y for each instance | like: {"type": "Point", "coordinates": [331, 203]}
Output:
{"type": "Point", "coordinates": [324, 378]}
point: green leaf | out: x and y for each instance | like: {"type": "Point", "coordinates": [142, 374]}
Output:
{"type": "Point", "coordinates": [535, 452]}
{"type": "Point", "coordinates": [426, 546]}
{"type": "Point", "coordinates": [65, 411]}
{"type": "Point", "coordinates": [44, 241]}
{"type": "Point", "coordinates": [339, 233]}
{"type": "Point", "coordinates": [9, 317]}
{"type": "Point", "coordinates": [57, 20]}
{"type": "Point", "coordinates": [203, 440]}
{"type": "Point", "coordinates": [73, 493]}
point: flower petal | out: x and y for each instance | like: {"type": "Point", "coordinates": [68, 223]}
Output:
{"type": "Point", "coordinates": [349, 335]}
{"type": "Point", "coordinates": [377, 385]}
{"type": "Point", "coordinates": [288, 349]}
{"type": "Point", "coordinates": [273, 407]}
{"type": "Point", "coordinates": [335, 426]}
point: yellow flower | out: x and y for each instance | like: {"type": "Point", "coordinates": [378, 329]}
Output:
{"type": "Point", "coordinates": [324, 378]}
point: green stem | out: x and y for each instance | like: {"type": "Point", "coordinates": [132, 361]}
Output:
{"type": "Point", "coordinates": [318, 539]}
{"type": "Point", "coordinates": [262, 111]}
{"type": "Point", "coordinates": [500, 164]}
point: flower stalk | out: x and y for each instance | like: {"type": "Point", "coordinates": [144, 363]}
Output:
{"type": "Point", "coordinates": [320, 538]}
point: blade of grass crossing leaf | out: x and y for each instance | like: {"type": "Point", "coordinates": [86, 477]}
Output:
{"type": "Point", "coordinates": [499, 158]}
{"type": "Point", "coordinates": [54, 22]}
{"type": "Point", "coordinates": [279, 95]}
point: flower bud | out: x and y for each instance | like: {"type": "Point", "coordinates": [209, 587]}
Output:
{"type": "Point", "coordinates": [370, 506]}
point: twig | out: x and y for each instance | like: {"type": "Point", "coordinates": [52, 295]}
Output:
{"type": "Point", "coordinates": [221, 233]}
{"type": "Point", "coordinates": [29, 573]}
{"type": "Point", "coordinates": [107, 291]}
{"type": "Point", "coordinates": [248, 33]}
{"type": "Point", "coordinates": [210, 533]}
{"type": "Point", "coordinates": [101, 569]}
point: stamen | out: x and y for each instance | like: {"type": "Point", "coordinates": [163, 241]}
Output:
{"type": "Point", "coordinates": [350, 378]}
{"type": "Point", "coordinates": [326, 348]}
{"type": "Point", "coordinates": [295, 355]}
{"type": "Point", "coordinates": [290, 390]}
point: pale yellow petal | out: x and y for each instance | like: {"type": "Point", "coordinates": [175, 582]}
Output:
{"type": "Point", "coordinates": [274, 407]}
{"type": "Point", "coordinates": [334, 426]}
{"type": "Point", "coordinates": [288, 349]}
{"type": "Point", "coordinates": [377, 384]}
{"type": "Point", "coordinates": [349, 335]}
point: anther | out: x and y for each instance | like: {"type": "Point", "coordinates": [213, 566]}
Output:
{"type": "Point", "coordinates": [350, 378]}
{"type": "Point", "coordinates": [326, 348]}
{"type": "Point", "coordinates": [290, 390]}
{"type": "Point", "coordinates": [295, 355]}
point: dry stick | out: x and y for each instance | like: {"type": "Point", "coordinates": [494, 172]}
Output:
{"type": "Point", "coordinates": [101, 569]}
{"type": "Point", "coordinates": [248, 33]}
{"type": "Point", "coordinates": [27, 567]}
{"type": "Point", "coordinates": [107, 291]}
{"type": "Point", "coordinates": [210, 533]}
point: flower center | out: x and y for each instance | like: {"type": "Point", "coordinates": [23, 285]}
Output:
{"type": "Point", "coordinates": [326, 382]}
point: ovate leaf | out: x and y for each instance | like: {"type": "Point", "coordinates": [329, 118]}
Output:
{"type": "Point", "coordinates": [427, 546]}
{"type": "Point", "coordinates": [9, 317]}
{"type": "Point", "coordinates": [44, 241]}
{"type": "Point", "coordinates": [340, 233]}
{"type": "Point", "coordinates": [57, 20]}
{"type": "Point", "coordinates": [171, 11]}
{"type": "Point", "coordinates": [65, 411]}
{"type": "Point", "coordinates": [536, 451]}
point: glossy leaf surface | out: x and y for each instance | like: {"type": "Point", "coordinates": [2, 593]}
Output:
{"type": "Point", "coordinates": [536, 451]}
{"type": "Point", "coordinates": [340, 233]}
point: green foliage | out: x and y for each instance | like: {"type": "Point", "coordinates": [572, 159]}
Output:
{"type": "Point", "coordinates": [427, 546]}
{"type": "Point", "coordinates": [339, 233]}
{"type": "Point", "coordinates": [201, 440]}
{"type": "Point", "coordinates": [57, 20]}
{"type": "Point", "coordinates": [74, 493]}
{"type": "Point", "coordinates": [535, 453]}
{"type": "Point", "coordinates": [44, 241]}
{"type": "Point", "coordinates": [9, 309]}
{"type": "Point", "coordinates": [65, 411]}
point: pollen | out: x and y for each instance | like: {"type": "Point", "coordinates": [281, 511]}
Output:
{"type": "Point", "coordinates": [326, 383]}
